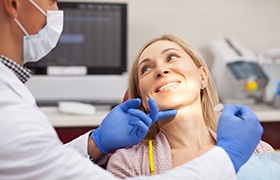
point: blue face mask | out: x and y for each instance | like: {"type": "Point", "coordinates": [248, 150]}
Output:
{"type": "Point", "coordinates": [38, 45]}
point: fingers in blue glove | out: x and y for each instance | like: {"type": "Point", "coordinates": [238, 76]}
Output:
{"type": "Point", "coordinates": [153, 110]}
{"type": "Point", "coordinates": [145, 119]}
{"type": "Point", "coordinates": [239, 131]}
{"type": "Point", "coordinates": [237, 112]}
{"type": "Point", "coordinates": [125, 125]}
{"type": "Point", "coordinates": [244, 112]}
{"type": "Point", "coordinates": [143, 122]}
{"type": "Point", "coordinates": [142, 116]}
{"type": "Point", "coordinates": [166, 114]}
{"type": "Point", "coordinates": [139, 128]}
{"type": "Point", "coordinates": [155, 115]}
{"type": "Point", "coordinates": [131, 103]}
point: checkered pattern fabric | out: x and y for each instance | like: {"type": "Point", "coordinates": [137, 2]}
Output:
{"type": "Point", "coordinates": [134, 161]}
{"type": "Point", "coordinates": [21, 72]}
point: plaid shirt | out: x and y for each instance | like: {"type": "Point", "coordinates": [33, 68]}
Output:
{"type": "Point", "coordinates": [21, 72]}
{"type": "Point", "coordinates": [134, 161]}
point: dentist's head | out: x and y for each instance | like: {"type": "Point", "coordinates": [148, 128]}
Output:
{"type": "Point", "coordinates": [37, 27]}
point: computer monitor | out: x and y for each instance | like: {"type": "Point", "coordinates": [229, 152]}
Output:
{"type": "Point", "coordinates": [91, 54]}
{"type": "Point", "coordinates": [94, 37]}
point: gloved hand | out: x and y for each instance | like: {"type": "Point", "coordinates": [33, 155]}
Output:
{"type": "Point", "coordinates": [239, 132]}
{"type": "Point", "coordinates": [127, 126]}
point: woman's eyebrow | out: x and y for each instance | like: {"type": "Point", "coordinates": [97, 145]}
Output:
{"type": "Point", "coordinates": [143, 61]}
{"type": "Point", "coordinates": [162, 52]}
{"type": "Point", "coordinates": [169, 49]}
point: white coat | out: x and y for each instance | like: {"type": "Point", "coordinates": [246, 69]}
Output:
{"type": "Point", "coordinates": [30, 148]}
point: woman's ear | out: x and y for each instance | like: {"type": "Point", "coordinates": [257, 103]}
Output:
{"type": "Point", "coordinates": [11, 7]}
{"type": "Point", "coordinates": [203, 76]}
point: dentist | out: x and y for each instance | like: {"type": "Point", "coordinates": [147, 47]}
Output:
{"type": "Point", "coordinates": [29, 146]}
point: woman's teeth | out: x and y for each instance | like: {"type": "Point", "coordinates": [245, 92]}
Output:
{"type": "Point", "coordinates": [171, 84]}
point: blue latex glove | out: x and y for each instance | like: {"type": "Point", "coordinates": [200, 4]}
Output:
{"type": "Point", "coordinates": [239, 132]}
{"type": "Point", "coordinates": [127, 126]}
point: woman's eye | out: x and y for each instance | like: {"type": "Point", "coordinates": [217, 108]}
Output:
{"type": "Point", "coordinates": [145, 69]}
{"type": "Point", "coordinates": [171, 57]}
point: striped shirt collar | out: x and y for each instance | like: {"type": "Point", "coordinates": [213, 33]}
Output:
{"type": "Point", "coordinates": [21, 72]}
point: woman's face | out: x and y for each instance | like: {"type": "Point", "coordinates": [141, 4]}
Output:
{"type": "Point", "coordinates": [168, 74]}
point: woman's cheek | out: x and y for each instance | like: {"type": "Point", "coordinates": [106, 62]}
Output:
{"type": "Point", "coordinates": [144, 93]}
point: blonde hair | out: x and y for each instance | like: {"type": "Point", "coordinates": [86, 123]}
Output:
{"type": "Point", "coordinates": [209, 97]}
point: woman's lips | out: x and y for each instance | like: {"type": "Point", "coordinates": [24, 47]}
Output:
{"type": "Point", "coordinates": [166, 86]}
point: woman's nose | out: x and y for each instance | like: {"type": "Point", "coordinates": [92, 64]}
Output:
{"type": "Point", "coordinates": [162, 71]}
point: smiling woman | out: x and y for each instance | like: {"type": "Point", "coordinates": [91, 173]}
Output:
{"type": "Point", "coordinates": [168, 62]}
{"type": "Point", "coordinates": [176, 76]}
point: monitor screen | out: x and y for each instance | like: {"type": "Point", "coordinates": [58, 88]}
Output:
{"type": "Point", "coordinates": [94, 38]}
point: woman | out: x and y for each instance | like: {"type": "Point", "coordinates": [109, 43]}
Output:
{"type": "Point", "coordinates": [176, 76]}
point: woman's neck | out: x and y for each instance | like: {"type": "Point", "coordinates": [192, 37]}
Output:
{"type": "Point", "coordinates": [187, 129]}
{"type": "Point", "coordinates": [187, 134]}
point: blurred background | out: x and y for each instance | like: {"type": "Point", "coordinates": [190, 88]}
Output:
{"type": "Point", "coordinates": [239, 39]}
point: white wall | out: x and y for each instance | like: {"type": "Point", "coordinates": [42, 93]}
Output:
{"type": "Point", "coordinates": [254, 22]}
